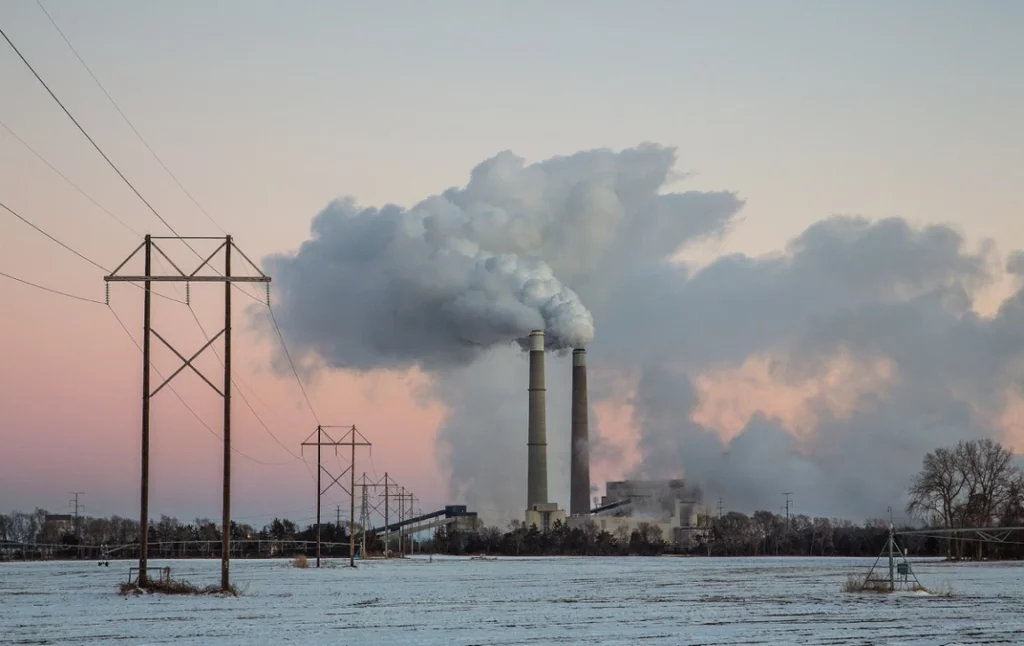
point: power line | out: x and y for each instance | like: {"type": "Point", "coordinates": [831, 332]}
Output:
{"type": "Point", "coordinates": [126, 119]}
{"type": "Point", "coordinates": [134, 129]}
{"type": "Point", "coordinates": [83, 257]}
{"type": "Point", "coordinates": [128, 182]}
{"type": "Point", "coordinates": [51, 290]}
{"type": "Point", "coordinates": [194, 414]}
{"type": "Point", "coordinates": [68, 248]}
{"type": "Point", "coordinates": [189, 408]}
{"type": "Point", "coordinates": [86, 134]}
{"type": "Point", "coordinates": [107, 159]}
{"type": "Point", "coordinates": [162, 164]}
{"type": "Point", "coordinates": [239, 390]}
{"type": "Point", "coordinates": [66, 179]}
{"type": "Point", "coordinates": [26, 221]}
{"type": "Point", "coordinates": [248, 404]}
{"type": "Point", "coordinates": [292, 363]}
{"type": "Point", "coordinates": [100, 151]}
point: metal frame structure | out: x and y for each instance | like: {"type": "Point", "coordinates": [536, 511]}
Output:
{"type": "Point", "coordinates": [899, 566]}
{"type": "Point", "coordinates": [147, 279]}
{"type": "Point", "coordinates": [354, 439]}
{"type": "Point", "coordinates": [388, 484]}
{"type": "Point", "coordinates": [983, 534]}
{"type": "Point", "coordinates": [405, 539]}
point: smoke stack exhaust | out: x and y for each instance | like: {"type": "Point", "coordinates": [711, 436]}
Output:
{"type": "Point", "coordinates": [579, 498]}
{"type": "Point", "coordinates": [537, 437]}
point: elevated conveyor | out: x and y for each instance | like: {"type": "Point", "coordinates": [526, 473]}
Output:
{"type": "Point", "coordinates": [447, 516]}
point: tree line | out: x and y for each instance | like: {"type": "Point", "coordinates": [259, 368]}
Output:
{"type": "Point", "coordinates": [31, 535]}
{"type": "Point", "coordinates": [762, 533]}
{"type": "Point", "coordinates": [974, 484]}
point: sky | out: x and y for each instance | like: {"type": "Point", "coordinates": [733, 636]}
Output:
{"type": "Point", "coordinates": [265, 112]}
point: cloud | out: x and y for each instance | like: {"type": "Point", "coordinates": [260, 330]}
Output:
{"type": "Point", "coordinates": [447, 285]}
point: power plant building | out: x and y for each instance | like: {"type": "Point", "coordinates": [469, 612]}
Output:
{"type": "Point", "coordinates": [670, 505]}
{"type": "Point", "coordinates": [539, 510]}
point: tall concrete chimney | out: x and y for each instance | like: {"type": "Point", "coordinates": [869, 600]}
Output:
{"type": "Point", "coordinates": [537, 437]}
{"type": "Point", "coordinates": [579, 498]}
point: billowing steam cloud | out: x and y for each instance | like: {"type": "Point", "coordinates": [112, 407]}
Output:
{"type": "Point", "coordinates": [434, 284]}
{"type": "Point", "coordinates": [448, 283]}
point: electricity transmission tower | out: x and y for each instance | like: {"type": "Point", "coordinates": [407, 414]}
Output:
{"type": "Point", "coordinates": [412, 514]}
{"type": "Point", "coordinates": [74, 502]}
{"type": "Point", "coordinates": [147, 279]}
{"type": "Point", "coordinates": [389, 486]}
{"type": "Point", "coordinates": [364, 516]}
{"type": "Point", "coordinates": [391, 490]}
{"type": "Point", "coordinates": [352, 438]}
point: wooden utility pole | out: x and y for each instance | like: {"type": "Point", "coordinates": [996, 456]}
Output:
{"type": "Point", "coordinates": [401, 520]}
{"type": "Point", "coordinates": [387, 519]}
{"type": "Point", "coordinates": [352, 438]}
{"type": "Point", "coordinates": [364, 518]}
{"type": "Point", "coordinates": [147, 303]}
{"type": "Point", "coordinates": [412, 514]}
{"type": "Point", "coordinates": [76, 494]}
{"type": "Point", "coordinates": [149, 245]}
{"type": "Point", "coordinates": [225, 548]}
{"type": "Point", "coordinates": [352, 503]}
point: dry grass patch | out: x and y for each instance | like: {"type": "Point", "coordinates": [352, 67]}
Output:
{"type": "Point", "coordinates": [856, 583]}
{"type": "Point", "coordinates": [853, 583]}
{"type": "Point", "coordinates": [175, 588]}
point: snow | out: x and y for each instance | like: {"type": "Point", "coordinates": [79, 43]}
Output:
{"type": "Point", "coordinates": [652, 601]}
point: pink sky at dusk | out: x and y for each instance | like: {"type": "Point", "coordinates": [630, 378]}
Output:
{"type": "Point", "coordinates": [79, 425]}
{"type": "Point", "coordinates": [266, 113]}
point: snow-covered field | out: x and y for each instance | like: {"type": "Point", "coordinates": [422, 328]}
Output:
{"type": "Point", "coordinates": [514, 601]}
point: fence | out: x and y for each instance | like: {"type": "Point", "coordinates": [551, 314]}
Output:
{"type": "Point", "coordinates": [248, 548]}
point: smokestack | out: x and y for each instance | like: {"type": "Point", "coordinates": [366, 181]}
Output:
{"type": "Point", "coordinates": [537, 437]}
{"type": "Point", "coordinates": [579, 499]}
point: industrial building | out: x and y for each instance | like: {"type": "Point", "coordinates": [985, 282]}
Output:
{"type": "Point", "coordinates": [670, 505]}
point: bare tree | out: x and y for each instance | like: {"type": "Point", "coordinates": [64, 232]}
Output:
{"type": "Point", "coordinates": [935, 490]}
{"type": "Point", "coordinates": [965, 486]}
{"type": "Point", "coordinates": [622, 534]}
{"type": "Point", "coordinates": [989, 474]}
{"type": "Point", "coordinates": [937, 487]}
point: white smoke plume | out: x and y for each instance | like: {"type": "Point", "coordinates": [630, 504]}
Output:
{"type": "Point", "coordinates": [426, 285]}
{"type": "Point", "coordinates": [584, 241]}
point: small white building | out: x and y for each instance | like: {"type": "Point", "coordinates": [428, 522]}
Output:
{"type": "Point", "coordinates": [544, 515]}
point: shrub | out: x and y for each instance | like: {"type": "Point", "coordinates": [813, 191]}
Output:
{"type": "Point", "coordinates": [169, 586]}
{"type": "Point", "coordinates": [853, 583]}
